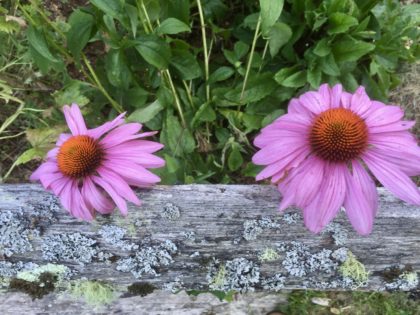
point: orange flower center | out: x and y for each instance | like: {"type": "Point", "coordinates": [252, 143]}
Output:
{"type": "Point", "coordinates": [338, 135]}
{"type": "Point", "coordinates": [79, 156]}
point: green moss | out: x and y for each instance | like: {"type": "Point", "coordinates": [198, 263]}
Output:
{"type": "Point", "coordinates": [36, 289]}
{"type": "Point", "coordinates": [354, 269]}
{"type": "Point", "coordinates": [219, 279]}
{"type": "Point", "coordinates": [141, 288]}
{"type": "Point", "coordinates": [34, 274]}
{"type": "Point", "coordinates": [95, 293]}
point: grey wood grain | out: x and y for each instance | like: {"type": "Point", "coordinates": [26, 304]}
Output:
{"type": "Point", "coordinates": [214, 234]}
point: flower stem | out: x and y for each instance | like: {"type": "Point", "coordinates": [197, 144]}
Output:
{"type": "Point", "coordinates": [206, 52]}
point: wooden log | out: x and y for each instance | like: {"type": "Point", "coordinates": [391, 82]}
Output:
{"type": "Point", "coordinates": [201, 238]}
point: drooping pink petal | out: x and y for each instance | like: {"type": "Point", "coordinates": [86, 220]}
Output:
{"type": "Point", "coordinates": [66, 196]}
{"type": "Point", "coordinates": [132, 172]}
{"type": "Point", "coordinates": [118, 184]}
{"type": "Point", "coordinates": [48, 178]}
{"type": "Point", "coordinates": [392, 178]}
{"type": "Point", "coordinates": [58, 185]}
{"type": "Point", "coordinates": [93, 196]}
{"type": "Point", "coordinates": [80, 208]}
{"type": "Point", "coordinates": [144, 159]}
{"type": "Point", "coordinates": [312, 171]}
{"type": "Point", "coordinates": [136, 146]}
{"type": "Point", "coordinates": [290, 163]}
{"type": "Point", "coordinates": [120, 134]}
{"type": "Point", "coordinates": [119, 201]}
{"type": "Point", "coordinates": [329, 199]}
{"type": "Point", "coordinates": [361, 199]}
{"type": "Point", "coordinates": [98, 132]}
{"type": "Point", "coordinates": [277, 150]}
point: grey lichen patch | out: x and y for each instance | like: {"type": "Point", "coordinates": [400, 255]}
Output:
{"type": "Point", "coordinates": [333, 283]}
{"type": "Point", "coordinates": [171, 212]}
{"type": "Point", "coordinates": [268, 254]}
{"type": "Point", "coordinates": [340, 254]}
{"type": "Point", "coordinates": [9, 270]}
{"type": "Point", "coordinates": [239, 274]}
{"type": "Point", "coordinates": [299, 261]}
{"type": "Point", "coordinates": [114, 235]}
{"type": "Point", "coordinates": [253, 228]}
{"type": "Point", "coordinates": [354, 269]}
{"type": "Point", "coordinates": [188, 236]}
{"type": "Point", "coordinates": [338, 233]}
{"type": "Point", "coordinates": [405, 282]}
{"type": "Point", "coordinates": [14, 233]}
{"type": "Point", "coordinates": [274, 283]}
{"type": "Point", "coordinates": [148, 258]}
{"type": "Point", "coordinates": [95, 293]}
{"type": "Point", "coordinates": [291, 218]}
{"type": "Point", "coordinates": [174, 286]}
{"type": "Point", "coordinates": [69, 246]}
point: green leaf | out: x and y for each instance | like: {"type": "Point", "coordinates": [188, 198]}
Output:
{"type": "Point", "coordinates": [38, 43]}
{"type": "Point", "coordinates": [145, 114]}
{"type": "Point", "coordinates": [221, 74]}
{"type": "Point", "coordinates": [279, 35]}
{"type": "Point", "coordinates": [349, 49]}
{"type": "Point", "coordinates": [204, 113]}
{"type": "Point", "coordinates": [81, 24]}
{"type": "Point", "coordinates": [314, 76]}
{"type": "Point", "coordinates": [257, 88]}
{"type": "Point", "coordinates": [135, 97]}
{"type": "Point", "coordinates": [179, 9]}
{"type": "Point", "coordinates": [154, 50]}
{"type": "Point", "coordinates": [329, 66]}
{"type": "Point", "coordinates": [322, 48]}
{"type": "Point", "coordinates": [172, 164]}
{"type": "Point", "coordinates": [110, 7]}
{"type": "Point", "coordinates": [341, 23]}
{"type": "Point", "coordinates": [117, 70]}
{"type": "Point", "coordinates": [235, 159]}
{"type": "Point", "coordinates": [240, 49]}
{"type": "Point", "coordinates": [289, 77]}
{"type": "Point", "coordinates": [172, 26]}
{"type": "Point", "coordinates": [270, 13]}
{"type": "Point", "coordinates": [133, 17]}
{"type": "Point", "coordinates": [186, 64]}
{"type": "Point", "coordinates": [29, 155]}
{"type": "Point", "coordinates": [71, 93]}
{"type": "Point", "coordinates": [179, 141]}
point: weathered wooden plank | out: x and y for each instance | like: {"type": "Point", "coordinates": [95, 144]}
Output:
{"type": "Point", "coordinates": [203, 237]}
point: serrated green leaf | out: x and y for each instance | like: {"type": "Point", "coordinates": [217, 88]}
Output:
{"type": "Point", "coordinates": [270, 13]}
{"type": "Point", "coordinates": [221, 74]}
{"type": "Point", "coordinates": [78, 35]}
{"type": "Point", "coordinates": [349, 49]}
{"type": "Point", "coordinates": [145, 114]}
{"type": "Point", "coordinates": [154, 50]}
{"type": "Point", "coordinates": [186, 64]}
{"type": "Point", "coordinates": [279, 35]}
{"type": "Point", "coordinates": [257, 88]}
{"type": "Point", "coordinates": [289, 77]}
{"type": "Point", "coordinates": [117, 70]}
{"type": "Point", "coordinates": [341, 23]}
{"type": "Point", "coordinates": [314, 76]}
{"type": "Point", "coordinates": [329, 66]}
{"type": "Point", "coordinates": [172, 26]}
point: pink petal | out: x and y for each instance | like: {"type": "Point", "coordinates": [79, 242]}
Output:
{"type": "Point", "coordinates": [361, 199]}
{"type": "Point", "coordinates": [277, 150]}
{"type": "Point", "coordinates": [48, 178]}
{"type": "Point", "coordinates": [94, 197]}
{"type": "Point", "coordinates": [329, 199]}
{"type": "Point", "coordinates": [346, 100]}
{"type": "Point", "coordinates": [303, 182]}
{"type": "Point", "coordinates": [314, 102]}
{"type": "Point", "coordinates": [136, 146]}
{"type": "Point", "coordinates": [120, 134]}
{"type": "Point", "coordinates": [118, 184]}
{"type": "Point", "coordinates": [144, 159]}
{"type": "Point", "coordinates": [74, 120]}
{"type": "Point", "coordinates": [119, 201]}
{"type": "Point", "coordinates": [63, 138]}
{"type": "Point", "coordinates": [80, 208]}
{"type": "Point", "coordinates": [384, 115]}
{"type": "Point", "coordinates": [292, 162]}
{"type": "Point", "coordinates": [360, 102]}
{"type": "Point", "coordinates": [98, 132]}
{"type": "Point", "coordinates": [52, 154]}
{"type": "Point", "coordinates": [44, 168]}
{"type": "Point", "coordinates": [58, 185]}
{"type": "Point", "coordinates": [66, 196]}
{"type": "Point", "coordinates": [336, 92]}
{"type": "Point", "coordinates": [396, 126]}
{"type": "Point", "coordinates": [132, 172]}
{"type": "Point", "coordinates": [325, 92]}
{"type": "Point", "coordinates": [392, 178]}
{"type": "Point", "coordinates": [296, 108]}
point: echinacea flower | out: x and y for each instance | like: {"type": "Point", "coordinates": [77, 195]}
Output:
{"type": "Point", "coordinates": [92, 169]}
{"type": "Point", "coordinates": [320, 152]}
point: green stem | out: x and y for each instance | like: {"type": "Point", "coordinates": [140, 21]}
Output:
{"type": "Point", "coordinates": [263, 55]}
{"type": "Point", "coordinates": [114, 104]}
{"type": "Point", "coordinates": [176, 98]}
{"type": "Point", "coordinates": [251, 55]}
{"type": "Point", "coordinates": [189, 94]}
{"type": "Point", "coordinates": [206, 53]}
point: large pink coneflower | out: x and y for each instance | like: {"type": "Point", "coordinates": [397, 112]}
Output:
{"type": "Point", "coordinates": [320, 151]}
{"type": "Point", "coordinates": [90, 165]}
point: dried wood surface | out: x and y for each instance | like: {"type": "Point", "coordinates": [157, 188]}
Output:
{"type": "Point", "coordinates": [199, 237]}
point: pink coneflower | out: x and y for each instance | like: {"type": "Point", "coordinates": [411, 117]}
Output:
{"type": "Point", "coordinates": [318, 154]}
{"type": "Point", "coordinates": [89, 164]}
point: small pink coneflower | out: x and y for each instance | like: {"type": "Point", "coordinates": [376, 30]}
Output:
{"type": "Point", "coordinates": [90, 165]}
{"type": "Point", "coordinates": [318, 155]}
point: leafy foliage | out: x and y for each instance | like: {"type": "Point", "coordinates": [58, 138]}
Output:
{"type": "Point", "coordinates": [209, 74]}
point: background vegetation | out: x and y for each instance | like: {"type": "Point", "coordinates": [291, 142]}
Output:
{"type": "Point", "coordinates": [208, 74]}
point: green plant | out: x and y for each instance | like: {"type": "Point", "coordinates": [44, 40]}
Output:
{"type": "Point", "coordinates": [209, 74]}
